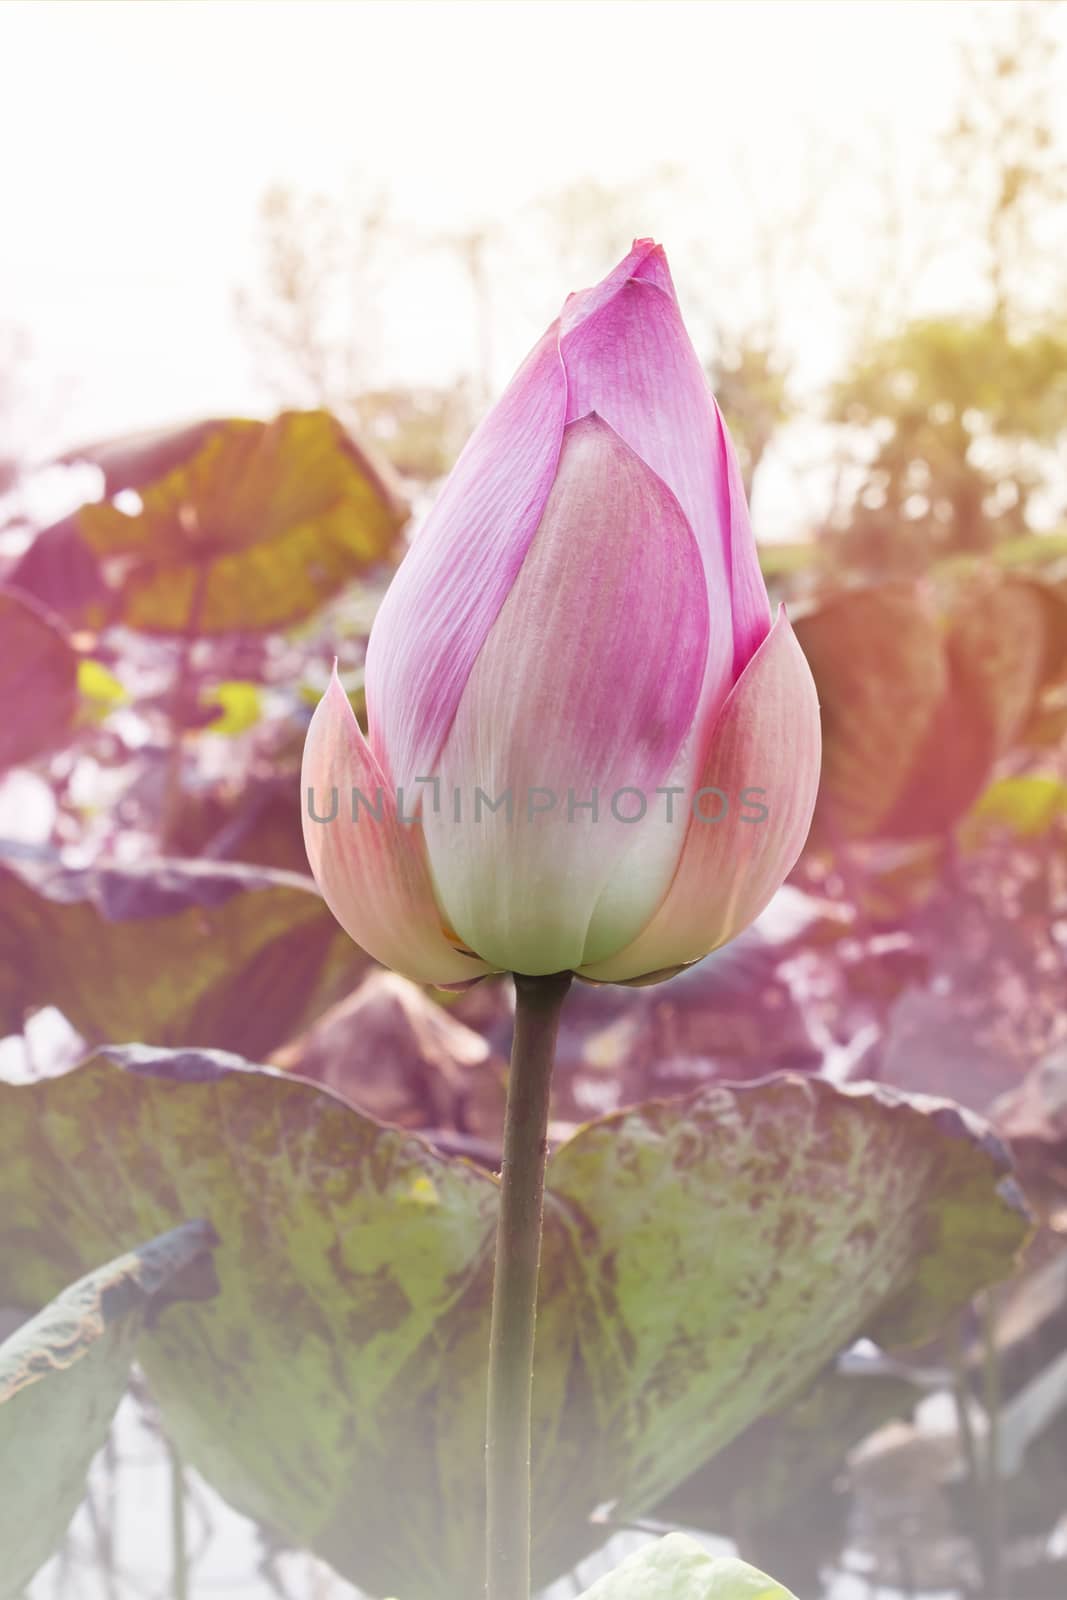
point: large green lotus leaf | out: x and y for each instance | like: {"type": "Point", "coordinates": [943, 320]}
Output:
{"type": "Point", "coordinates": [678, 1568]}
{"type": "Point", "coordinates": [338, 1391]}
{"type": "Point", "coordinates": [243, 525]}
{"type": "Point", "coordinates": [727, 1244]}
{"type": "Point", "coordinates": [703, 1258]}
{"type": "Point", "coordinates": [774, 1489]}
{"type": "Point", "coordinates": [38, 681]}
{"type": "Point", "coordinates": [173, 952]}
{"type": "Point", "coordinates": [63, 1373]}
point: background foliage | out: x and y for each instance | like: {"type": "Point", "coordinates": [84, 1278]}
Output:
{"type": "Point", "coordinates": [784, 1300]}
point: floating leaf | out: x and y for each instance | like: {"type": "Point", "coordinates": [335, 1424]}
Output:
{"type": "Point", "coordinates": [678, 1568]}
{"type": "Point", "coordinates": [242, 526]}
{"type": "Point", "coordinates": [919, 706]}
{"type": "Point", "coordinates": [877, 658]}
{"type": "Point", "coordinates": [61, 572]}
{"type": "Point", "coordinates": [38, 681]}
{"type": "Point", "coordinates": [998, 650]}
{"type": "Point", "coordinates": [398, 1055]}
{"type": "Point", "coordinates": [100, 691]}
{"type": "Point", "coordinates": [1027, 806]}
{"type": "Point", "coordinates": [258, 825]}
{"type": "Point", "coordinates": [730, 1016]}
{"type": "Point", "coordinates": [1036, 1109]}
{"type": "Point", "coordinates": [135, 460]}
{"type": "Point", "coordinates": [174, 952]}
{"type": "Point", "coordinates": [999, 641]}
{"type": "Point", "coordinates": [1047, 728]}
{"type": "Point", "coordinates": [259, 526]}
{"type": "Point", "coordinates": [1031, 550]}
{"type": "Point", "coordinates": [703, 1258]}
{"type": "Point", "coordinates": [240, 706]}
{"type": "Point", "coordinates": [63, 1373]}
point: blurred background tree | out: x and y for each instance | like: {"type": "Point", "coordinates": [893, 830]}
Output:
{"type": "Point", "coordinates": [309, 318]}
{"type": "Point", "coordinates": [312, 316]}
{"type": "Point", "coordinates": [955, 420]}
{"type": "Point", "coordinates": [312, 319]}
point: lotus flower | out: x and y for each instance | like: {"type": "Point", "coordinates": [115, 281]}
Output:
{"type": "Point", "coordinates": [589, 748]}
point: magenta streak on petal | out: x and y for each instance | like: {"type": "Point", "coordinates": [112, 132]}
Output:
{"type": "Point", "coordinates": [653, 268]}
{"type": "Point", "coordinates": [631, 361]}
{"type": "Point", "coordinates": [751, 610]}
{"type": "Point", "coordinates": [451, 585]}
{"type": "Point", "coordinates": [585, 302]}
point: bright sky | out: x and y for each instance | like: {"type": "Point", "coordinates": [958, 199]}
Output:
{"type": "Point", "coordinates": [138, 140]}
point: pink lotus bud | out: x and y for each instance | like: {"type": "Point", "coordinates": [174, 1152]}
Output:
{"type": "Point", "coordinates": [573, 684]}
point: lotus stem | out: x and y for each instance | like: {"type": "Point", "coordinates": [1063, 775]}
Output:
{"type": "Point", "coordinates": [538, 1003]}
{"type": "Point", "coordinates": [178, 1541]}
{"type": "Point", "coordinates": [992, 1396]}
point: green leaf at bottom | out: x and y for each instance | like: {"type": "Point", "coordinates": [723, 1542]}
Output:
{"type": "Point", "coordinates": [63, 1373]}
{"type": "Point", "coordinates": [703, 1259]}
{"type": "Point", "coordinates": [678, 1568]}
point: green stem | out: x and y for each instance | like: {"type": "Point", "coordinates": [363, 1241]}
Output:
{"type": "Point", "coordinates": [976, 1480]}
{"type": "Point", "coordinates": [179, 1545]}
{"type": "Point", "coordinates": [994, 1505]}
{"type": "Point", "coordinates": [538, 1003]}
